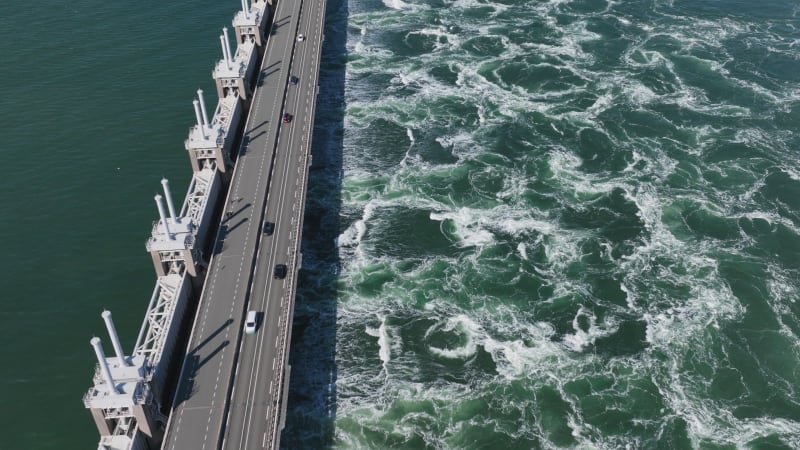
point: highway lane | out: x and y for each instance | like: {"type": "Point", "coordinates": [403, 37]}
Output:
{"type": "Point", "coordinates": [257, 399]}
{"type": "Point", "coordinates": [200, 406]}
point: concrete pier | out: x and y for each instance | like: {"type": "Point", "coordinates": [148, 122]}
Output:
{"type": "Point", "coordinates": [131, 396]}
{"type": "Point", "coordinates": [231, 389]}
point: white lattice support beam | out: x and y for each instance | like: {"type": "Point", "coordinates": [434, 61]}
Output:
{"type": "Point", "coordinates": [226, 116]}
{"type": "Point", "coordinates": [161, 302]}
{"type": "Point", "coordinates": [161, 326]}
{"type": "Point", "coordinates": [200, 200]}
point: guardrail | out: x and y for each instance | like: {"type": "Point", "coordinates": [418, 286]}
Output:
{"type": "Point", "coordinates": [295, 239]}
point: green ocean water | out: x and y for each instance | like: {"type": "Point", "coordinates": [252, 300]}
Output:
{"type": "Point", "coordinates": [531, 224]}
{"type": "Point", "coordinates": [96, 102]}
{"type": "Point", "coordinates": [562, 224]}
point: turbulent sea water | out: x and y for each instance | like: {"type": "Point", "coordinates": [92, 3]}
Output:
{"type": "Point", "coordinates": [560, 224]}
{"type": "Point", "coordinates": [531, 224]}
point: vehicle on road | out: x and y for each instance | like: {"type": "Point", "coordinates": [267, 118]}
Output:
{"type": "Point", "coordinates": [251, 322]}
{"type": "Point", "coordinates": [269, 227]}
{"type": "Point", "coordinates": [300, 38]}
{"type": "Point", "coordinates": [287, 117]}
{"type": "Point", "coordinates": [280, 271]}
{"type": "Point", "coordinates": [293, 79]}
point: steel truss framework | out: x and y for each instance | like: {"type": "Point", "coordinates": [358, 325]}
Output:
{"type": "Point", "coordinates": [158, 317]}
{"type": "Point", "coordinates": [166, 297]}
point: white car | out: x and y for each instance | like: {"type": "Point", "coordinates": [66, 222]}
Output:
{"type": "Point", "coordinates": [300, 38]}
{"type": "Point", "coordinates": [251, 322]}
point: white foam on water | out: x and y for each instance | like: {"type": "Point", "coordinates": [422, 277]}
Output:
{"type": "Point", "coordinates": [516, 185]}
{"type": "Point", "coordinates": [569, 42]}
{"type": "Point", "coordinates": [410, 135]}
{"type": "Point", "coordinates": [395, 4]}
{"type": "Point", "coordinates": [660, 242]}
{"type": "Point", "coordinates": [791, 170]}
{"type": "Point", "coordinates": [522, 250]}
{"type": "Point", "coordinates": [399, 5]}
{"type": "Point", "coordinates": [783, 298]}
{"type": "Point", "coordinates": [408, 157]}
{"type": "Point", "coordinates": [648, 202]}
{"type": "Point", "coordinates": [519, 348]}
{"type": "Point", "coordinates": [561, 249]}
{"type": "Point", "coordinates": [581, 339]}
{"type": "Point", "coordinates": [522, 348]}
{"type": "Point", "coordinates": [711, 422]}
{"type": "Point", "coordinates": [474, 4]}
{"type": "Point", "coordinates": [714, 34]}
{"type": "Point", "coordinates": [468, 227]}
{"type": "Point", "coordinates": [563, 161]}
{"type": "Point", "coordinates": [353, 235]}
{"type": "Point", "coordinates": [384, 342]}
{"type": "Point", "coordinates": [773, 217]}
{"type": "Point", "coordinates": [370, 54]}
{"type": "Point", "coordinates": [409, 77]}
{"type": "Point", "coordinates": [476, 227]}
{"type": "Point", "coordinates": [462, 324]}
{"type": "Point", "coordinates": [684, 326]}
{"type": "Point", "coordinates": [462, 144]}
{"type": "Point", "coordinates": [568, 176]}
{"type": "Point", "coordinates": [444, 38]}
{"type": "Point", "coordinates": [637, 92]}
{"type": "Point", "coordinates": [359, 47]}
{"type": "Point", "coordinates": [514, 225]}
{"type": "Point", "coordinates": [600, 105]}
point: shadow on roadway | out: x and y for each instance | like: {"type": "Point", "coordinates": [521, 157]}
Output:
{"type": "Point", "coordinates": [279, 23]}
{"type": "Point", "coordinates": [232, 214]}
{"type": "Point", "coordinates": [266, 74]}
{"type": "Point", "coordinates": [311, 407]}
{"type": "Point", "coordinates": [194, 363]}
{"type": "Point", "coordinates": [263, 122]}
{"type": "Point", "coordinates": [269, 70]}
{"type": "Point", "coordinates": [227, 226]}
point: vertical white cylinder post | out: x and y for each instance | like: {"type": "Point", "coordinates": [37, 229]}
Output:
{"type": "Point", "coordinates": [225, 56]}
{"type": "Point", "coordinates": [101, 359]}
{"type": "Point", "coordinates": [199, 120]}
{"type": "Point", "coordinates": [163, 216]}
{"type": "Point", "coordinates": [227, 44]}
{"type": "Point", "coordinates": [112, 333]}
{"type": "Point", "coordinates": [203, 107]}
{"type": "Point", "coordinates": [245, 9]}
{"type": "Point", "coordinates": [168, 195]}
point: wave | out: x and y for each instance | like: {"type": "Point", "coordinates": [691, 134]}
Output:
{"type": "Point", "coordinates": [562, 221]}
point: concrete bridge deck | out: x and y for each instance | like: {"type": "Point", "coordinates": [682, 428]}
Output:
{"type": "Point", "coordinates": [232, 387]}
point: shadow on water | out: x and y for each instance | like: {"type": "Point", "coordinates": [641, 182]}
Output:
{"type": "Point", "coordinates": [312, 387]}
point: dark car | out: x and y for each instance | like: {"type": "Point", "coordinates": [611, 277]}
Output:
{"type": "Point", "coordinates": [280, 272]}
{"type": "Point", "coordinates": [293, 79]}
{"type": "Point", "coordinates": [269, 227]}
{"type": "Point", "coordinates": [287, 117]}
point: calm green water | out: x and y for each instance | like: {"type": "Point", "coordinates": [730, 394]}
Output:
{"type": "Point", "coordinates": [95, 105]}
{"type": "Point", "coordinates": [532, 224]}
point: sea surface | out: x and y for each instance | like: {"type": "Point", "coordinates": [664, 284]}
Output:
{"type": "Point", "coordinates": [531, 224]}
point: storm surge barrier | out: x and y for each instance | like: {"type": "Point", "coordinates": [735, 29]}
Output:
{"type": "Point", "coordinates": [131, 394]}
